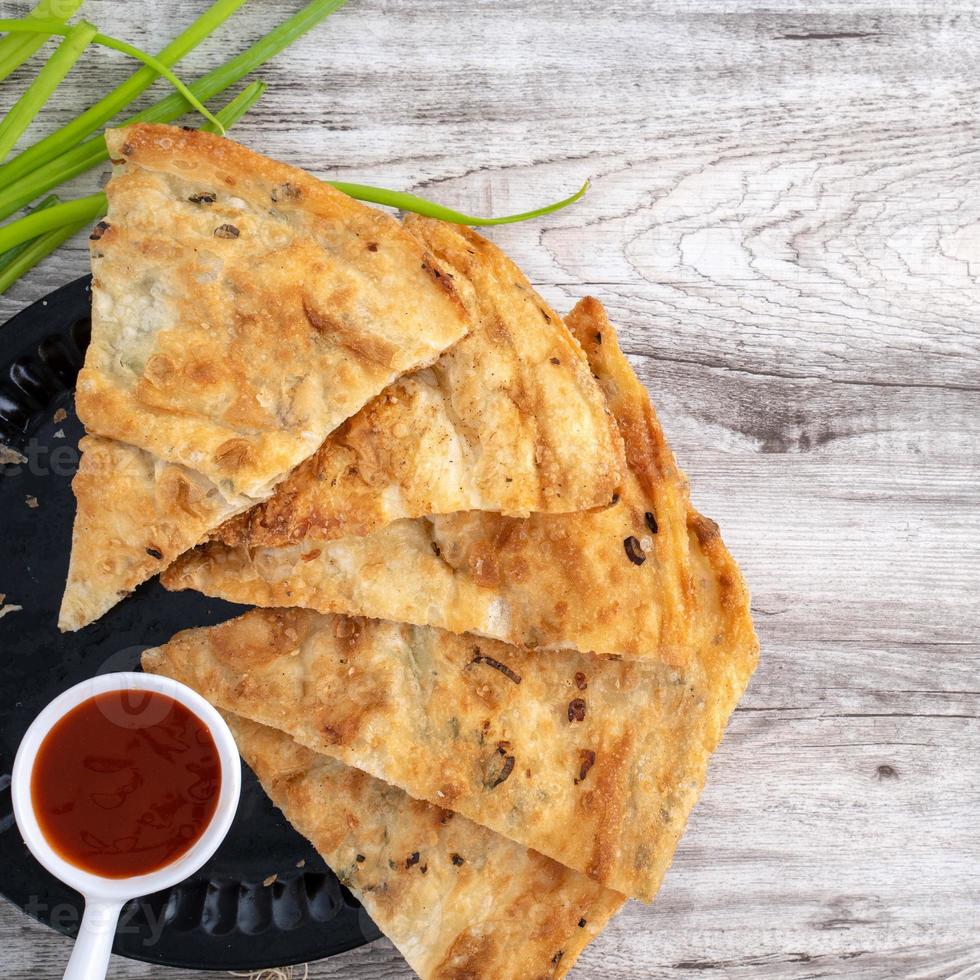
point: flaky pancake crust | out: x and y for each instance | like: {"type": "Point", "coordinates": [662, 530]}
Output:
{"type": "Point", "coordinates": [241, 311]}
{"type": "Point", "coordinates": [615, 581]}
{"type": "Point", "coordinates": [135, 514]}
{"type": "Point", "coordinates": [456, 899]}
{"type": "Point", "coordinates": [509, 420]}
{"type": "Point", "coordinates": [594, 761]}
{"type": "Point", "coordinates": [602, 759]}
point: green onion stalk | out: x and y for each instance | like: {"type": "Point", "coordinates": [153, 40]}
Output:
{"type": "Point", "coordinates": [37, 249]}
{"type": "Point", "coordinates": [119, 98]}
{"type": "Point", "coordinates": [419, 205]}
{"type": "Point", "coordinates": [92, 207]}
{"type": "Point", "coordinates": [7, 258]}
{"type": "Point", "coordinates": [15, 49]}
{"type": "Point", "coordinates": [57, 27]}
{"type": "Point", "coordinates": [23, 111]}
{"type": "Point", "coordinates": [60, 156]}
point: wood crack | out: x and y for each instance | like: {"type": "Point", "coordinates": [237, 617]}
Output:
{"type": "Point", "coordinates": [829, 36]}
{"type": "Point", "coordinates": [789, 376]}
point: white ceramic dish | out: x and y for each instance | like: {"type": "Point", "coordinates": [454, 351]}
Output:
{"type": "Point", "coordinates": [105, 897]}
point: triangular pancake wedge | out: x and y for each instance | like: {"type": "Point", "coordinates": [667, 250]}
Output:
{"type": "Point", "coordinates": [456, 899]}
{"type": "Point", "coordinates": [134, 515]}
{"type": "Point", "coordinates": [509, 420]}
{"type": "Point", "coordinates": [595, 762]}
{"type": "Point", "coordinates": [615, 581]}
{"type": "Point", "coordinates": [241, 311]}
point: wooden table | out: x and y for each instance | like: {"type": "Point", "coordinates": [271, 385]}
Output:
{"type": "Point", "coordinates": [784, 221]}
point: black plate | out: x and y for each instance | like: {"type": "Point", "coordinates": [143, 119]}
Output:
{"type": "Point", "coordinates": [225, 917]}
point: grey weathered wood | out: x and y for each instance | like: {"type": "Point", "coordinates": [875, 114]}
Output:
{"type": "Point", "coordinates": [784, 221]}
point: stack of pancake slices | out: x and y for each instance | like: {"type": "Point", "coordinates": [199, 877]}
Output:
{"type": "Point", "coordinates": [493, 646]}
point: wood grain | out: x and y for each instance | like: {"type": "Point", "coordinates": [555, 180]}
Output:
{"type": "Point", "coordinates": [784, 220]}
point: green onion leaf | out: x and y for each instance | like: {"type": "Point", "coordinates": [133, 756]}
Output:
{"type": "Point", "coordinates": [239, 105]}
{"type": "Point", "coordinates": [89, 154]}
{"type": "Point", "coordinates": [57, 216]}
{"type": "Point", "coordinates": [52, 26]}
{"type": "Point", "coordinates": [419, 205]}
{"type": "Point", "coordinates": [22, 113]}
{"type": "Point", "coordinates": [7, 258]}
{"type": "Point", "coordinates": [15, 49]}
{"type": "Point", "coordinates": [72, 211]}
{"type": "Point", "coordinates": [159, 67]}
{"type": "Point", "coordinates": [36, 250]}
{"type": "Point", "coordinates": [118, 99]}
{"type": "Point", "coordinates": [231, 71]}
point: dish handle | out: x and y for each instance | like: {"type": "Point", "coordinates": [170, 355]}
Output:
{"type": "Point", "coordinates": [90, 957]}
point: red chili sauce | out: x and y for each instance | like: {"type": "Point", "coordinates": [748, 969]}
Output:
{"type": "Point", "coordinates": [125, 783]}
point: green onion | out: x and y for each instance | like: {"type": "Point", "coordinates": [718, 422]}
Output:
{"type": "Point", "coordinates": [8, 257]}
{"type": "Point", "coordinates": [58, 215]}
{"type": "Point", "coordinates": [90, 207]}
{"type": "Point", "coordinates": [419, 205]}
{"type": "Point", "coordinates": [118, 99]}
{"type": "Point", "coordinates": [89, 154]}
{"type": "Point", "coordinates": [162, 69]}
{"type": "Point", "coordinates": [20, 116]}
{"type": "Point", "coordinates": [57, 27]}
{"type": "Point", "coordinates": [15, 49]}
{"type": "Point", "coordinates": [229, 114]}
{"type": "Point", "coordinates": [36, 250]}
{"type": "Point", "coordinates": [231, 71]}
{"type": "Point", "coordinates": [24, 256]}
{"type": "Point", "coordinates": [40, 180]}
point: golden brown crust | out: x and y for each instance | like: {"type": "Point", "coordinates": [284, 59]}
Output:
{"type": "Point", "coordinates": [509, 420]}
{"type": "Point", "coordinates": [213, 286]}
{"type": "Point", "coordinates": [238, 317]}
{"type": "Point", "coordinates": [135, 515]}
{"type": "Point", "coordinates": [449, 706]}
{"type": "Point", "coordinates": [614, 581]}
{"type": "Point", "coordinates": [456, 899]}
{"type": "Point", "coordinates": [593, 761]}
{"type": "Point", "coordinates": [639, 753]}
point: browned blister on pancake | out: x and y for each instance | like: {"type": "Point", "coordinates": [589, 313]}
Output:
{"type": "Point", "coordinates": [456, 899]}
{"type": "Point", "coordinates": [615, 581]}
{"type": "Point", "coordinates": [509, 420]}
{"type": "Point", "coordinates": [241, 311]}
